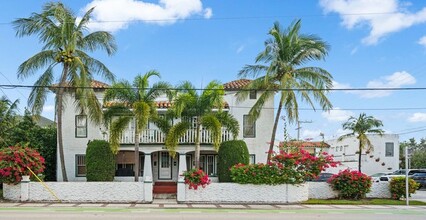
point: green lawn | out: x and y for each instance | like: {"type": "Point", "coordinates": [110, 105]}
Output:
{"type": "Point", "coordinates": [362, 202]}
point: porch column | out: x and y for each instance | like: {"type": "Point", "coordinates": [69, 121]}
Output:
{"type": "Point", "coordinates": [147, 168]}
{"type": "Point", "coordinates": [182, 163]}
{"type": "Point", "coordinates": [147, 178]}
{"type": "Point", "coordinates": [181, 183]}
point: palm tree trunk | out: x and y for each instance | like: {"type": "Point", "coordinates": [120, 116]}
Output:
{"type": "Point", "coordinates": [59, 109]}
{"type": "Point", "coordinates": [136, 168]}
{"type": "Point", "coordinates": [197, 145]}
{"type": "Point", "coordinates": [274, 131]}
{"type": "Point", "coordinates": [359, 156]}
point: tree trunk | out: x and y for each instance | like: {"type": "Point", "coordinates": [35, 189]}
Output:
{"type": "Point", "coordinates": [59, 109]}
{"type": "Point", "coordinates": [359, 156]}
{"type": "Point", "coordinates": [274, 131]}
{"type": "Point", "coordinates": [136, 168]}
{"type": "Point", "coordinates": [197, 145]}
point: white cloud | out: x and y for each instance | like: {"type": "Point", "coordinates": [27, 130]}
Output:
{"type": "Point", "coordinates": [354, 50]}
{"type": "Point", "coordinates": [310, 134]}
{"type": "Point", "coordinates": [113, 15]}
{"type": "Point", "coordinates": [240, 49]}
{"type": "Point", "coordinates": [422, 41]}
{"type": "Point", "coordinates": [395, 80]}
{"type": "Point", "coordinates": [337, 115]}
{"type": "Point", "coordinates": [48, 108]}
{"type": "Point", "coordinates": [417, 117]}
{"type": "Point", "coordinates": [381, 16]}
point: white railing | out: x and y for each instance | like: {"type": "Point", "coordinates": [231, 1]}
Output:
{"type": "Point", "coordinates": [155, 136]}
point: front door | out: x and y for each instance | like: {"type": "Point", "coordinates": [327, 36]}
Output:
{"type": "Point", "coordinates": [165, 168]}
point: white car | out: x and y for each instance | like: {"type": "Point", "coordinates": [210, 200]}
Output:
{"type": "Point", "coordinates": [401, 173]}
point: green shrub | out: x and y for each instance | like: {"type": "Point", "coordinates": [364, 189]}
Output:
{"type": "Point", "coordinates": [351, 184]}
{"type": "Point", "coordinates": [231, 153]}
{"type": "Point", "coordinates": [397, 187]}
{"type": "Point", "coordinates": [100, 161]}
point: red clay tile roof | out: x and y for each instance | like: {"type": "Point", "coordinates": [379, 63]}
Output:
{"type": "Point", "coordinates": [306, 144]}
{"type": "Point", "coordinates": [236, 84]}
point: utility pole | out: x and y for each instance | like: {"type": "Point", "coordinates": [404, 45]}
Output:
{"type": "Point", "coordinates": [298, 128]}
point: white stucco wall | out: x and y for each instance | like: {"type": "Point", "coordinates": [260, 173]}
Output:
{"type": "Point", "coordinates": [240, 193]}
{"type": "Point", "coordinates": [323, 190]}
{"type": "Point", "coordinates": [12, 192]}
{"type": "Point", "coordinates": [264, 124]}
{"type": "Point", "coordinates": [369, 165]}
{"type": "Point", "coordinates": [72, 144]}
{"type": "Point", "coordinates": [82, 192]}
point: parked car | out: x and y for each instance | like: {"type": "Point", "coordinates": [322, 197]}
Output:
{"type": "Point", "coordinates": [420, 178]}
{"type": "Point", "coordinates": [376, 177]}
{"type": "Point", "coordinates": [401, 173]}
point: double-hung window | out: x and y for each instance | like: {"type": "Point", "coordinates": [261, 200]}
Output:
{"type": "Point", "coordinates": [81, 126]}
{"type": "Point", "coordinates": [249, 127]}
{"type": "Point", "coordinates": [80, 165]}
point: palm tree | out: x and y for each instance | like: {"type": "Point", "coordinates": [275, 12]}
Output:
{"type": "Point", "coordinates": [141, 99]}
{"type": "Point", "coordinates": [206, 111]}
{"type": "Point", "coordinates": [281, 70]}
{"type": "Point", "coordinates": [361, 127]}
{"type": "Point", "coordinates": [65, 41]}
{"type": "Point", "coordinates": [8, 119]}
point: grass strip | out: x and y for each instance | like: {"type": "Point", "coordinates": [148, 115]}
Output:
{"type": "Point", "coordinates": [361, 202]}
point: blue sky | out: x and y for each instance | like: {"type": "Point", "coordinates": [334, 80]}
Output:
{"type": "Point", "coordinates": [374, 43]}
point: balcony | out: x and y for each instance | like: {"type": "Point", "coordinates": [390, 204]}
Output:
{"type": "Point", "coordinates": [155, 136]}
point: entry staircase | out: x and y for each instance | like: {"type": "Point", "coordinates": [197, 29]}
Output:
{"type": "Point", "coordinates": [165, 190]}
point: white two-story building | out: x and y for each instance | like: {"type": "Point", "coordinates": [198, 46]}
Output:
{"type": "Point", "coordinates": [382, 158]}
{"type": "Point", "coordinates": [155, 161]}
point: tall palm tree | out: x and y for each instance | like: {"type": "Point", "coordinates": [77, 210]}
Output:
{"type": "Point", "coordinates": [141, 99]}
{"type": "Point", "coordinates": [206, 111]}
{"type": "Point", "coordinates": [65, 40]}
{"type": "Point", "coordinates": [361, 127]}
{"type": "Point", "coordinates": [8, 119]}
{"type": "Point", "coordinates": [281, 69]}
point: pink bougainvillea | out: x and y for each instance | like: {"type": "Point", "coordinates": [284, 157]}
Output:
{"type": "Point", "coordinates": [15, 161]}
{"type": "Point", "coordinates": [195, 178]}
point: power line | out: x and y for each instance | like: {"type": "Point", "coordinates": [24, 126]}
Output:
{"type": "Point", "coordinates": [12, 84]}
{"type": "Point", "coordinates": [240, 89]}
{"type": "Point", "coordinates": [409, 132]}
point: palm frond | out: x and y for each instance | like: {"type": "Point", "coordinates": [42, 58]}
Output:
{"type": "Point", "coordinates": [173, 136]}
{"type": "Point", "coordinates": [211, 123]}
{"type": "Point", "coordinates": [117, 127]}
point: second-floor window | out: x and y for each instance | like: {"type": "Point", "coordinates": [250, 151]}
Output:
{"type": "Point", "coordinates": [249, 127]}
{"type": "Point", "coordinates": [389, 149]}
{"type": "Point", "coordinates": [253, 94]}
{"type": "Point", "coordinates": [81, 126]}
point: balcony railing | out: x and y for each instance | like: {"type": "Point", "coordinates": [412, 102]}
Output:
{"type": "Point", "coordinates": [155, 136]}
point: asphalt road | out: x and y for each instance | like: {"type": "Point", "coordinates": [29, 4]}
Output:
{"type": "Point", "coordinates": [44, 213]}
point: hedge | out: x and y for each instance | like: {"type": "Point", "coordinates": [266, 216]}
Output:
{"type": "Point", "coordinates": [231, 153]}
{"type": "Point", "coordinates": [100, 161]}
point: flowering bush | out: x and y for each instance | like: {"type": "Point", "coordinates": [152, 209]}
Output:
{"type": "Point", "coordinates": [397, 187]}
{"type": "Point", "coordinates": [14, 162]}
{"type": "Point", "coordinates": [351, 184]}
{"type": "Point", "coordinates": [285, 168]}
{"type": "Point", "coordinates": [195, 178]}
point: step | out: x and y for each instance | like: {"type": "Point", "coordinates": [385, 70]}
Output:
{"type": "Point", "coordinates": [165, 183]}
{"type": "Point", "coordinates": [170, 197]}
{"type": "Point", "coordinates": [164, 189]}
